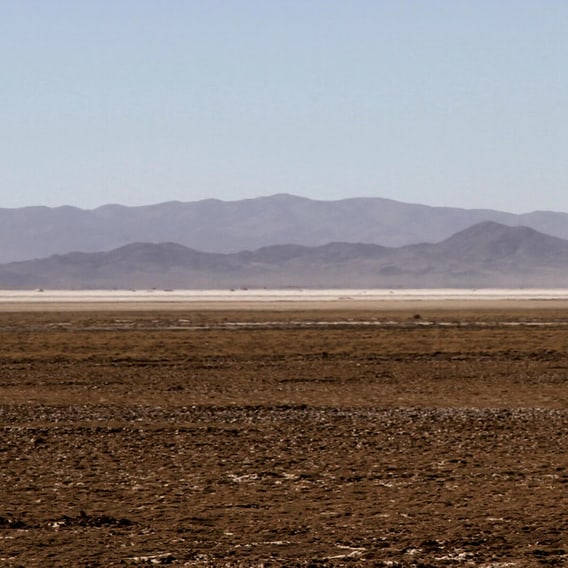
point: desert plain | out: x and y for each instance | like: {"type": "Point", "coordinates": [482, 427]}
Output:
{"type": "Point", "coordinates": [322, 434]}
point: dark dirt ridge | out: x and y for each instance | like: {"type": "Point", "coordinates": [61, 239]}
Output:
{"type": "Point", "coordinates": [404, 447]}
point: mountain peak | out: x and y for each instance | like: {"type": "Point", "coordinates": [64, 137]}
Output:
{"type": "Point", "coordinates": [491, 241]}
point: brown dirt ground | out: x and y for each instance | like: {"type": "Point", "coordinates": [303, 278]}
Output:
{"type": "Point", "coordinates": [288, 437]}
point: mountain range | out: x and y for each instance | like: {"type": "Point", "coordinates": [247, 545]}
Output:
{"type": "Point", "coordinates": [487, 254]}
{"type": "Point", "coordinates": [228, 227]}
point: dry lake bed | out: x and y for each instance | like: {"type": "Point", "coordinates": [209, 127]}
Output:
{"type": "Point", "coordinates": [315, 431]}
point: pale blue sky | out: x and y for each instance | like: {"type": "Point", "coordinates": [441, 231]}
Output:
{"type": "Point", "coordinates": [458, 103]}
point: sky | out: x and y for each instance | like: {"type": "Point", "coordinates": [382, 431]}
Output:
{"type": "Point", "coordinates": [447, 103]}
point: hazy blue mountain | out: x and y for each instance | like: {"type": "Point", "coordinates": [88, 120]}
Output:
{"type": "Point", "coordinates": [488, 254]}
{"type": "Point", "coordinates": [218, 226]}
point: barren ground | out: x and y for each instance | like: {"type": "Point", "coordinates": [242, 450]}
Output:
{"type": "Point", "coordinates": [285, 437]}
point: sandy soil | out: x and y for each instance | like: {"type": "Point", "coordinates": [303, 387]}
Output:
{"type": "Point", "coordinates": [288, 437]}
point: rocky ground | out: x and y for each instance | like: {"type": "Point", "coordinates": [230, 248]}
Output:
{"type": "Point", "coordinates": [284, 439]}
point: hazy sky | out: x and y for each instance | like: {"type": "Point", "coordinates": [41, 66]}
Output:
{"type": "Point", "coordinates": [457, 102]}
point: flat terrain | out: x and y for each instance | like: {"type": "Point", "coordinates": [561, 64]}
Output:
{"type": "Point", "coordinates": [404, 435]}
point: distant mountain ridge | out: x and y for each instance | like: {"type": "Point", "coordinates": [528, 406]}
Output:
{"type": "Point", "coordinates": [230, 226]}
{"type": "Point", "coordinates": [488, 254]}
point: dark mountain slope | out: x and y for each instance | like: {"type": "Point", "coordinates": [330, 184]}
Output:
{"type": "Point", "coordinates": [485, 255]}
{"type": "Point", "coordinates": [493, 242]}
